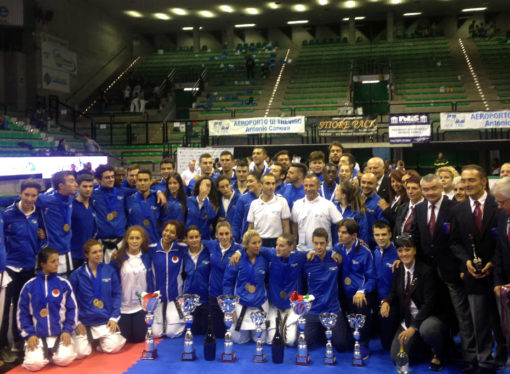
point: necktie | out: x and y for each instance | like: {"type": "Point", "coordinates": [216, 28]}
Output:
{"type": "Point", "coordinates": [408, 317]}
{"type": "Point", "coordinates": [477, 213]}
{"type": "Point", "coordinates": [408, 224]}
{"type": "Point", "coordinates": [432, 220]}
{"type": "Point", "coordinates": [508, 230]}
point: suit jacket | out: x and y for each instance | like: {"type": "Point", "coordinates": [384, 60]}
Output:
{"type": "Point", "coordinates": [465, 235]}
{"type": "Point", "coordinates": [391, 213]}
{"type": "Point", "coordinates": [400, 219]}
{"type": "Point", "coordinates": [502, 256]}
{"type": "Point", "coordinates": [384, 188]}
{"type": "Point", "coordinates": [436, 249]}
{"type": "Point", "coordinates": [423, 292]}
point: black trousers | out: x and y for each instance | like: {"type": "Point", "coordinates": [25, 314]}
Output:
{"type": "Point", "coordinates": [11, 298]}
{"type": "Point", "coordinates": [133, 327]}
{"type": "Point", "coordinates": [218, 322]}
{"type": "Point", "coordinates": [199, 326]}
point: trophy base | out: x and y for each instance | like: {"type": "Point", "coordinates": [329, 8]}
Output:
{"type": "Point", "coordinates": [259, 357]}
{"type": "Point", "coordinates": [228, 357]}
{"type": "Point", "coordinates": [330, 361]}
{"type": "Point", "coordinates": [303, 360]}
{"type": "Point", "coordinates": [149, 355]}
{"type": "Point", "coordinates": [358, 362]}
{"type": "Point", "coordinates": [189, 356]}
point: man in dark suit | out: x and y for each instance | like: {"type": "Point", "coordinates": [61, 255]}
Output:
{"type": "Point", "coordinates": [375, 165]}
{"type": "Point", "coordinates": [406, 214]}
{"type": "Point", "coordinates": [474, 223]}
{"type": "Point", "coordinates": [432, 235]}
{"type": "Point", "coordinates": [414, 292]}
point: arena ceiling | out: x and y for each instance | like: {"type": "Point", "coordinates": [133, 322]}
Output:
{"type": "Point", "coordinates": [160, 16]}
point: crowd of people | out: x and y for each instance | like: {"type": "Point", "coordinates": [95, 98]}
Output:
{"type": "Point", "coordinates": [423, 257]}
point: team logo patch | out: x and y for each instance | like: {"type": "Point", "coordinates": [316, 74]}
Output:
{"type": "Point", "coordinates": [55, 293]}
{"type": "Point", "coordinates": [175, 259]}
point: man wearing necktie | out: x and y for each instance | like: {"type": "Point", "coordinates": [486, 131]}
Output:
{"type": "Point", "coordinates": [474, 233]}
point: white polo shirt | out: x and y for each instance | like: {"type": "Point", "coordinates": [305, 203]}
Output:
{"type": "Point", "coordinates": [310, 215]}
{"type": "Point", "coordinates": [267, 217]}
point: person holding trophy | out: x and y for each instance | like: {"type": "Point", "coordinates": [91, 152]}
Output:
{"type": "Point", "coordinates": [246, 280]}
{"type": "Point", "coordinates": [97, 290]}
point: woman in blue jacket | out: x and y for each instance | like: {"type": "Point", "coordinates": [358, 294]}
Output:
{"type": "Point", "coordinates": [203, 207]}
{"type": "Point", "coordinates": [247, 280]}
{"type": "Point", "coordinates": [47, 314]}
{"type": "Point", "coordinates": [167, 260]}
{"type": "Point", "coordinates": [176, 199]}
{"type": "Point", "coordinates": [350, 204]}
{"type": "Point", "coordinates": [97, 290]}
{"type": "Point", "coordinates": [133, 265]}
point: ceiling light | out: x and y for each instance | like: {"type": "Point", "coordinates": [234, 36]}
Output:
{"type": "Point", "coordinates": [412, 14]}
{"type": "Point", "coordinates": [245, 25]}
{"type": "Point", "coordinates": [133, 13]}
{"type": "Point", "coordinates": [179, 11]}
{"type": "Point", "coordinates": [359, 18]}
{"type": "Point", "coordinates": [190, 28]}
{"type": "Point", "coordinates": [252, 11]}
{"type": "Point", "coordinates": [395, 1]}
{"type": "Point", "coordinates": [299, 8]}
{"type": "Point", "coordinates": [226, 8]}
{"type": "Point", "coordinates": [474, 9]}
{"type": "Point", "coordinates": [297, 22]}
{"type": "Point", "coordinates": [206, 13]}
{"type": "Point", "coordinates": [350, 4]}
{"type": "Point", "coordinates": [370, 81]}
{"type": "Point", "coordinates": [345, 19]}
{"type": "Point", "coordinates": [323, 2]}
{"type": "Point", "coordinates": [162, 16]}
{"type": "Point", "coordinates": [273, 5]}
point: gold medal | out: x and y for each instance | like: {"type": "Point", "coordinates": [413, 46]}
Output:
{"type": "Point", "coordinates": [114, 214]}
{"type": "Point", "coordinates": [110, 217]}
{"type": "Point", "coordinates": [347, 281]}
{"type": "Point", "coordinates": [98, 303]}
{"type": "Point", "coordinates": [250, 288]}
{"type": "Point", "coordinates": [66, 227]}
{"type": "Point", "coordinates": [146, 222]}
{"type": "Point", "coordinates": [283, 294]}
{"type": "Point", "coordinates": [43, 312]}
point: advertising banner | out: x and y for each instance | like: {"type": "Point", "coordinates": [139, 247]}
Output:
{"type": "Point", "coordinates": [262, 125]}
{"type": "Point", "coordinates": [56, 56]}
{"type": "Point", "coordinates": [11, 12]}
{"type": "Point", "coordinates": [475, 120]}
{"type": "Point", "coordinates": [409, 128]}
{"type": "Point", "coordinates": [55, 80]}
{"type": "Point", "coordinates": [346, 126]}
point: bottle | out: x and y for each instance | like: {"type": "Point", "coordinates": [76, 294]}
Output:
{"type": "Point", "coordinates": [278, 344]}
{"type": "Point", "coordinates": [402, 361]}
{"type": "Point", "coordinates": [209, 342]}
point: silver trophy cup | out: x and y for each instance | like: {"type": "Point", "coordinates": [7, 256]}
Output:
{"type": "Point", "coordinates": [188, 304]}
{"type": "Point", "coordinates": [227, 304]}
{"type": "Point", "coordinates": [259, 318]}
{"type": "Point", "coordinates": [149, 302]}
{"type": "Point", "coordinates": [328, 320]}
{"type": "Point", "coordinates": [356, 321]}
{"type": "Point", "coordinates": [301, 308]}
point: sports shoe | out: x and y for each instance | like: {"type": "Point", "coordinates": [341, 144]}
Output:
{"type": "Point", "coordinates": [8, 356]}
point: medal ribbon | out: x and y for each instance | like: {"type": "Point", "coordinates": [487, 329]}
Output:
{"type": "Point", "coordinates": [332, 196]}
{"type": "Point", "coordinates": [111, 199]}
{"type": "Point", "coordinates": [65, 207]}
{"type": "Point", "coordinates": [144, 208]}
{"type": "Point", "coordinates": [96, 281]}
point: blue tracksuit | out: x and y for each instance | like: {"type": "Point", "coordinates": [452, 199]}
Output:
{"type": "Point", "coordinates": [231, 210]}
{"type": "Point", "coordinates": [106, 200]}
{"type": "Point", "coordinates": [358, 265]}
{"type": "Point", "coordinates": [197, 275]}
{"type": "Point", "coordinates": [292, 194]}
{"type": "Point", "coordinates": [3, 255]}
{"type": "Point", "coordinates": [360, 218]}
{"type": "Point", "coordinates": [173, 210]}
{"type": "Point", "coordinates": [139, 210]}
{"type": "Point", "coordinates": [279, 189]}
{"type": "Point", "coordinates": [240, 223]}
{"type": "Point", "coordinates": [21, 241]}
{"type": "Point", "coordinates": [328, 192]}
{"type": "Point", "coordinates": [202, 218]}
{"type": "Point", "coordinates": [161, 186]}
{"type": "Point", "coordinates": [285, 274]}
{"type": "Point", "coordinates": [322, 281]}
{"type": "Point", "coordinates": [239, 277]}
{"type": "Point", "coordinates": [233, 177]}
{"type": "Point", "coordinates": [219, 263]}
{"type": "Point", "coordinates": [374, 213]}
{"type": "Point", "coordinates": [57, 212]}
{"type": "Point", "coordinates": [383, 264]}
{"type": "Point", "coordinates": [52, 293]}
{"type": "Point", "coordinates": [190, 187]}
{"type": "Point", "coordinates": [84, 227]}
{"type": "Point", "coordinates": [107, 289]}
{"type": "Point", "coordinates": [168, 267]}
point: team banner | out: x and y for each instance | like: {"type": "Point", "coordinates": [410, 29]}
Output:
{"type": "Point", "coordinates": [409, 128]}
{"type": "Point", "coordinates": [475, 120]}
{"type": "Point", "coordinates": [346, 126]}
{"type": "Point", "coordinates": [58, 57]}
{"type": "Point", "coordinates": [262, 125]}
{"type": "Point", "coordinates": [55, 80]}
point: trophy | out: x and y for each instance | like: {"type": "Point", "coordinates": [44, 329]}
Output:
{"type": "Point", "coordinates": [227, 304]}
{"type": "Point", "coordinates": [259, 318]}
{"type": "Point", "coordinates": [356, 321]}
{"type": "Point", "coordinates": [149, 302]}
{"type": "Point", "coordinates": [477, 261]}
{"type": "Point", "coordinates": [188, 304]}
{"type": "Point", "coordinates": [328, 320]}
{"type": "Point", "coordinates": [301, 305]}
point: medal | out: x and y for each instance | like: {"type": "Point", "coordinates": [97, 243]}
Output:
{"type": "Point", "coordinates": [43, 312]}
{"type": "Point", "coordinates": [114, 214]}
{"type": "Point", "coordinates": [98, 303]}
{"type": "Point", "coordinates": [250, 288]}
{"type": "Point", "coordinates": [146, 222]}
{"type": "Point", "coordinates": [283, 294]}
{"type": "Point", "coordinates": [66, 227]}
{"type": "Point", "coordinates": [110, 216]}
{"type": "Point", "coordinates": [347, 281]}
